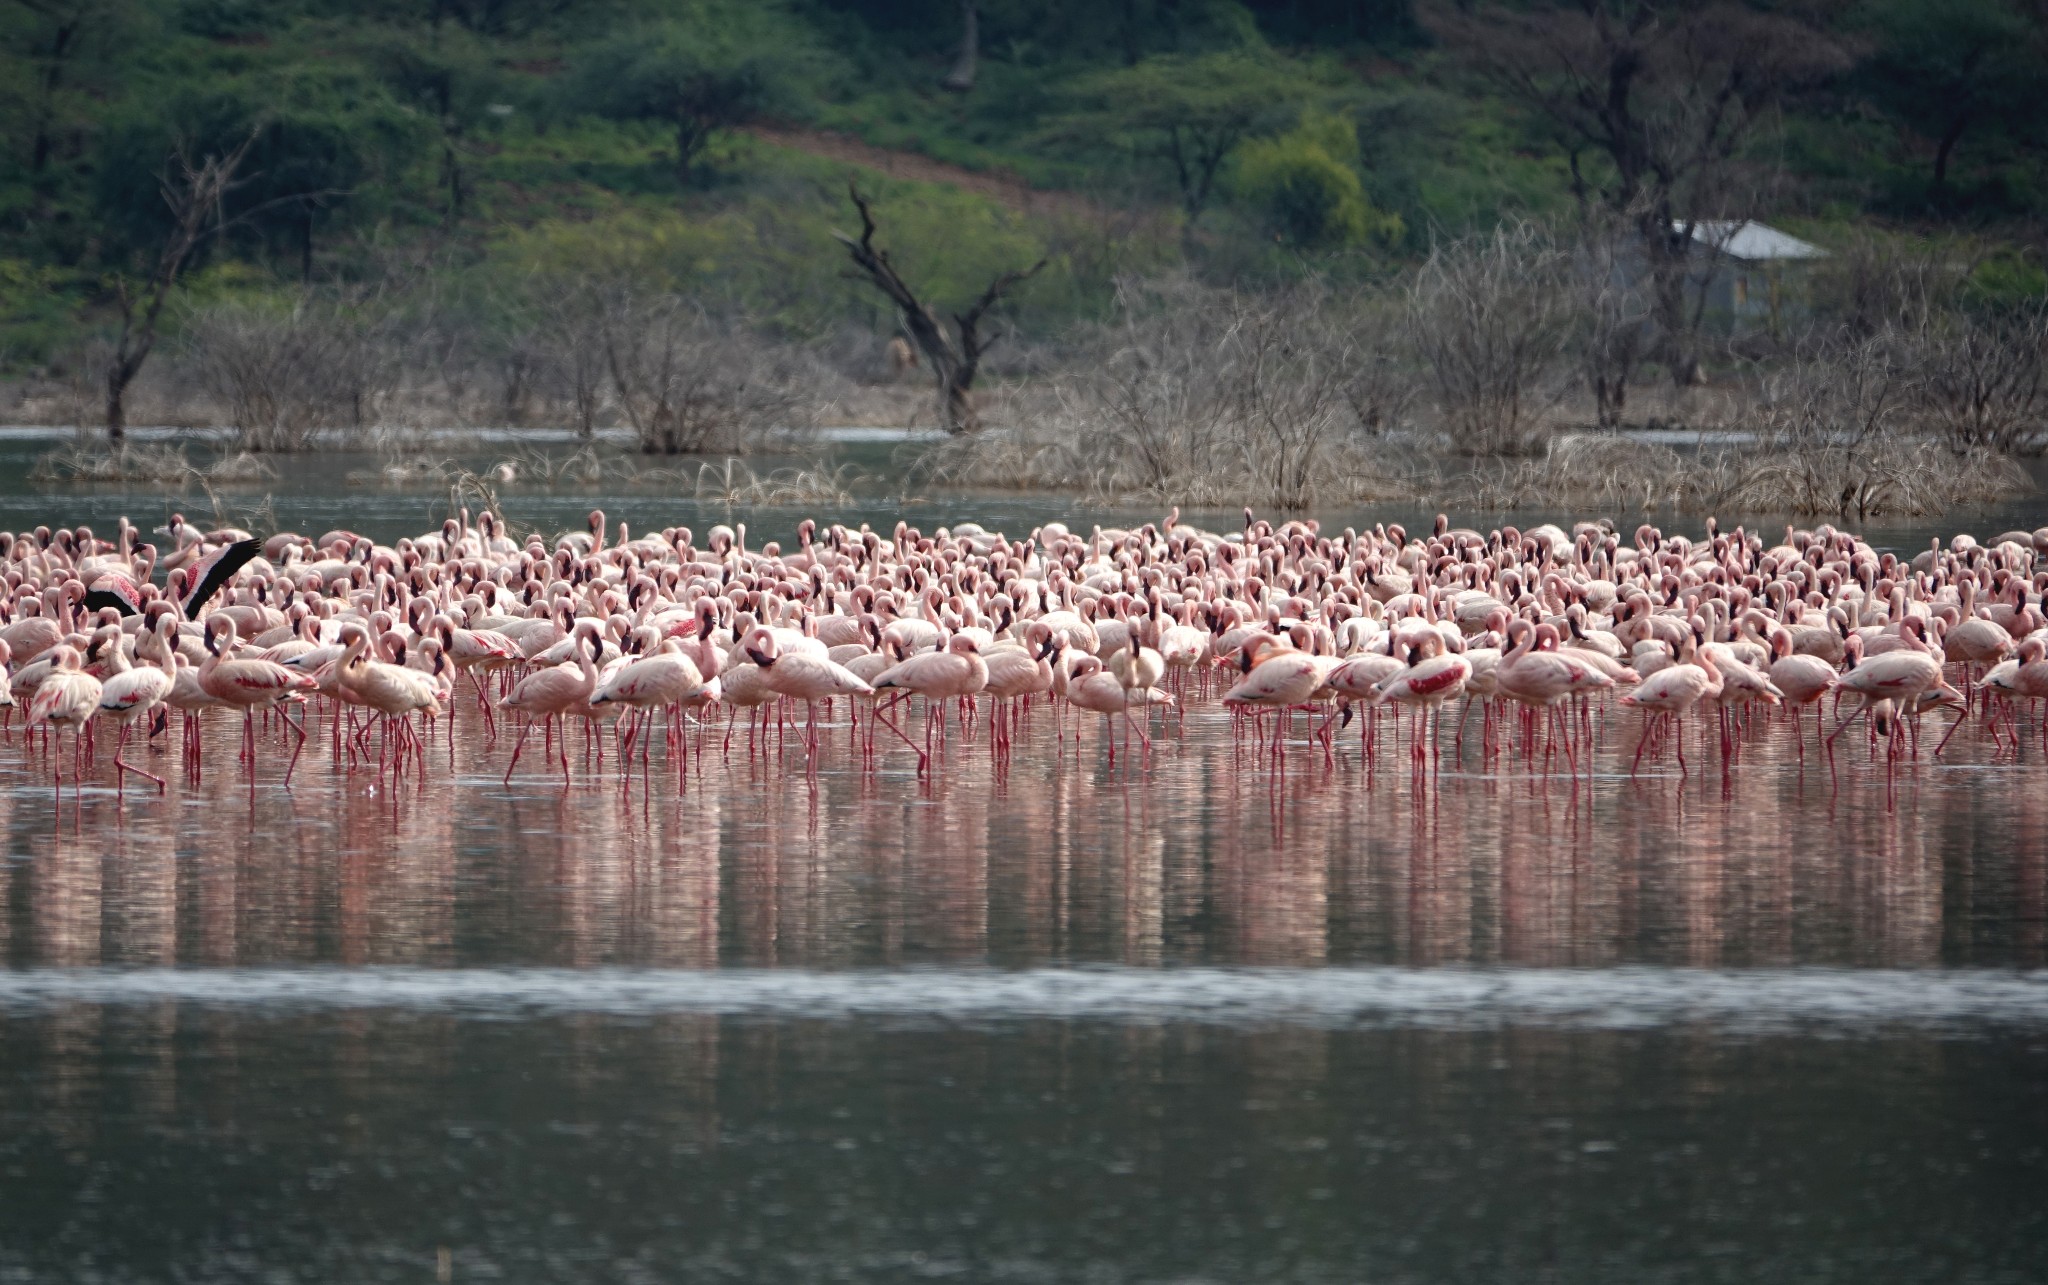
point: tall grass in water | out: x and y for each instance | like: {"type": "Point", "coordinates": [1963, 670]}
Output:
{"type": "Point", "coordinates": [165, 466]}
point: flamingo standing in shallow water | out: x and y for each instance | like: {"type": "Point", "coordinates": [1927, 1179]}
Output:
{"type": "Point", "coordinates": [663, 679]}
{"type": "Point", "coordinates": [807, 678]}
{"type": "Point", "coordinates": [1901, 676]}
{"type": "Point", "coordinates": [1670, 694]}
{"type": "Point", "coordinates": [393, 691]}
{"type": "Point", "coordinates": [69, 697]}
{"type": "Point", "coordinates": [132, 691]}
{"type": "Point", "coordinates": [250, 685]}
{"type": "Point", "coordinates": [1278, 677]}
{"type": "Point", "coordinates": [956, 672]}
{"type": "Point", "coordinates": [1541, 676]}
{"type": "Point", "coordinates": [551, 693]}
{"type": "Point", "coordinates": [1435, 676]}
{"type": "Point", "coordinates": [1093, 687]}
{"type": "Point", "coordinates": [1014, 676]}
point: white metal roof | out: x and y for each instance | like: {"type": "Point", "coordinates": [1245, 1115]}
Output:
{"type": "Point", "coordinates": [1749, 240]}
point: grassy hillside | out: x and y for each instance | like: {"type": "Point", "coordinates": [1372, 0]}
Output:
{"type": "Point", "coordinates": [459, 148]}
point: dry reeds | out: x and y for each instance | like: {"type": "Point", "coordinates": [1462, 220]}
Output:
{"type": "Point", "coordinates": [165, 466]}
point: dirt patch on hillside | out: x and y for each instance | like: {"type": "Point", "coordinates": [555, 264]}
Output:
{"type": "Point", "coordinates": [997, 185]}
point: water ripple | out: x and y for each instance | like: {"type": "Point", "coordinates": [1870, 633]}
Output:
{"type": "Point", "coordinates": [1762, 1000]}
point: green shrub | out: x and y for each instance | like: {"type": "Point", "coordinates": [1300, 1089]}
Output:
{"type": "Point", "coordinates": [2005, 281]}
{"type": "Point", "coordinates": [1306, 187]}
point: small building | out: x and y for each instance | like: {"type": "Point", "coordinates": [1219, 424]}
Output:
{"type": "Point", "coordinates": [1752, 277]}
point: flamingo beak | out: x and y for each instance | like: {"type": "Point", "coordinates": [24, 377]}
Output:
{"type": "Point", "coordinates": [760, 659]}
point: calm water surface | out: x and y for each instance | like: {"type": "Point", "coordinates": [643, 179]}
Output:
{"type": "Point", "coordinates": [1171, 1021]}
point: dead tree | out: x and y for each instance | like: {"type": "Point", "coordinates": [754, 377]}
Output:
{"type": "Point", "coordinates": [960, 79]}
{"type": "Point", "coordinates": [195, 197]}
{"type": "Point", "coordinates": [954, 358]}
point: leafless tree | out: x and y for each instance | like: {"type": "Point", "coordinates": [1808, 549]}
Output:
{"type": "Point", "coordinates": [689, 384]}
{"type": "Point", "coordinates": [1875, 283]}
{"type": "Point", "coordinates": [1835, 433]}
{"type": "Point", "coordinates": [195, 193]}
{"type": "Point", "coordinates": [283, 376]}
{"type": "Point", "coordinates": [569, 336]}
{"type": "Point", "coordinates": [1380, 382]}
{"type": "Point", "coordinates": [1984, 383]}
{"type": "Point", "coordinates": [1615, 328]}
{"type": "Point", "coordinates": [1204, 396]}
{"type": "Point", "coordinates": [1489, 316]}
{"type": "Point", "coordinates": [960, 79]}
{"type": "Point", "coordinates": [1663, 94]}
{"type": "Point", "coordinates": [954, 359]}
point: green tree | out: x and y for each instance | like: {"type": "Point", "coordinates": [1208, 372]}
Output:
{"type": "Point", "coordinates": [1305, 183]}
{"type": "Point", "coordinates": [1189, 114]}
{"type": "Point", "coordinates": [717, 66]}
{"type": "Point", "coordinates": [1948, 66]}
{"type": "Point", "coordinates": [60, 52]}
{"type": "Point", "coordinates": [452, 79]}
{"type": "Point", "coordinates": [321, 144]}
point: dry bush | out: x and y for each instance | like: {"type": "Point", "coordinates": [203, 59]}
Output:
{"type": "Point", "coordinates": [282, 377]}
{"type": "Point", "coordinates": [1885, 284]}
{"type": "Point", "coordinates": [691, 384]}
{"type": "Point", "coordinates": [1578, 471]}
{"type": "Point", "coordinates": [1203, 397]}
{"type": "Point", "coordinates": [1837, 433]}
{"type": "Point", "coordinates": [733, 483]}
{"type": "Point", "coordinates": [1983, 384]}
{"type": "Point", "coordinates": [565, 337]}
{"type": "Point", "coordinates": [1613, 323]}
{"type": "Point", "coordinates": [1837, 429]}
{"type": "Point", "coordinates": [1491, 318]}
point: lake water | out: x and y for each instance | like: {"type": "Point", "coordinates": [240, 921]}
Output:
{"type": "Point", "coordinates": [1176, 1020]}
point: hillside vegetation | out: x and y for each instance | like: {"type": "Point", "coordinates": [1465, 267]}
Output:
{"type": "Point", "coordinates": [623, 211]}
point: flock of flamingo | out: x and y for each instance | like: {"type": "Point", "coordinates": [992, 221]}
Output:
{"type": "Point", "coordinates": [636, 639]}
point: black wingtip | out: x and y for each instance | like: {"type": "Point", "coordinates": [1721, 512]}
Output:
{"type": "Point", "coordinates": [96, 599]}
{"type": "Point", "coordinates": [217, 568]}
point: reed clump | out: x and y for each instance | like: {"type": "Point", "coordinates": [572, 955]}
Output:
{"type": "Point", "coordinates": [731, 483]}
{"type": "Point", "coordinates": [157, 465]}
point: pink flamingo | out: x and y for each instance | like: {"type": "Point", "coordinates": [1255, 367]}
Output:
{"type": "Point", "coordinates": [1437, 675]}
{"type": "Point", "coordinates": [250, 685]}
{"type": "Point", "coordinates": [69, 697]}
{"type": "Point", "coordinates": [1015, 675]}
{"type": "Point", "coordinates": [1544, 678]}
{"type": "Point", "coordinates": [1092, 687]}
{"type": "Point", "coordinates": [551, 693]}
{"type": "Point", "coordinates": [131, 692]}
{"type": "Point", "coordinates": [1670, 693]}
{"type": "Point", "coordinates": [807, 678]}
{"type": "Point", "coordinates": [1804, 680]}
{"type": "Point", "coordinates": [1277, 677]}
{"type": "Point", "coordinates": [957, 671]}
{"type": "Point", "coordinates": [1902, 675]}
{"type": "Point", "coordinates": [393, 691]}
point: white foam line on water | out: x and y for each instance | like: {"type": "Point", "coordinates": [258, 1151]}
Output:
{"type": "Point", "coordinates": [1619, 998]}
